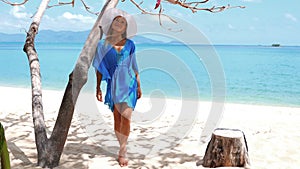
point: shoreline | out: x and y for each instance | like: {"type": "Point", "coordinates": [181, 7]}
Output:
{"type": "Point", "coordinates": [165, 139]}
{"type": "Point", "coordinates": [226, 101]}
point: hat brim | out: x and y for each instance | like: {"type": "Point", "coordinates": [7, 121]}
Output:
{"type": "Point", "coordinates": [110, 14]}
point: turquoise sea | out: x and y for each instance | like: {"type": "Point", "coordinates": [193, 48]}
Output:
{"type": "Point", "coordinates": [253, 74]}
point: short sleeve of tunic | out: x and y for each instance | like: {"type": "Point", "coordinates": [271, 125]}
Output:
{"type": "Point", "coordinates": [98, 63]}
{"type": "Point", "coordinates": [134, 62]}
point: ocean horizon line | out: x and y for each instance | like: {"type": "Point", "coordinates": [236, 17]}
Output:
{"type": "Point", "coordinates": [166, 44]}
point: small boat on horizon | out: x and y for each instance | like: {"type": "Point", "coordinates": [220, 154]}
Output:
{"type": "Point", "coordinates": [275, 45]}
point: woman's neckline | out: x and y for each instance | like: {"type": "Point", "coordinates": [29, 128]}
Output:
{"type": "Point", "coordinates": [121, 46]}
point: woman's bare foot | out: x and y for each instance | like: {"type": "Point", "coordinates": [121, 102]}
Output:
{"type": "Point", "coordinates": [123, 161]}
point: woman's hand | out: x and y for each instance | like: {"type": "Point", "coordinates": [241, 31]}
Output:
{"type": "Point", "coordinates": [99, 95]}
{"type": "Point", "coordinates": [139, 92]}
{"type": "Point", "coordinates": [98, 89]}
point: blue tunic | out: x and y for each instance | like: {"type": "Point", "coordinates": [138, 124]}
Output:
{"type": "Point", "coordinates": [118, 70]}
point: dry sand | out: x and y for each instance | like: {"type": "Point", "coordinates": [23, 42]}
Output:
{"type": "Point", "coordinates": [157, 139]}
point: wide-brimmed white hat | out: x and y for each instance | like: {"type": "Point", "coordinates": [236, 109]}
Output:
{"type": "Point", "coordinates": [110, 14]}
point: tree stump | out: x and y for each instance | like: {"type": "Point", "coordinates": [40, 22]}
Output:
{"type": "Point", "coordinates": [227, 148]}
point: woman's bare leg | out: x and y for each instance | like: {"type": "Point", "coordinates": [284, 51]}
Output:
{"type": "Point", "coordinates": [122, 116]}
{"type": "Point", "coordinates": [117, 123]}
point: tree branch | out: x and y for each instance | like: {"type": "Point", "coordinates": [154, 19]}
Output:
{"type": "Point", "coordinates": [159, 14]}
{"type": "Point", "coordinates": [62, 3]}
{"type": "Point", "coordinates": [151, 13]}
{"type": "Point", "coordinates": [14, 3]}
{"type": "Point", "coordinates": [87, 8]}
{"type": "Point", "coordinates": [193, 6]}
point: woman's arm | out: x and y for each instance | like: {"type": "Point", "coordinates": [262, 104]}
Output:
{"type": "Point", "coordinates": [98, 89]}
{"type": "Point", "coordinates": [139, 91]}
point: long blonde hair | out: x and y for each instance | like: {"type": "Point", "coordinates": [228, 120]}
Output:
{"type": "Point", "coordinates": [110, 31]}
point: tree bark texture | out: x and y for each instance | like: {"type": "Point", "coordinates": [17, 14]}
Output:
{"type": "Point", "coordinates": [36, 87]}
{"type": "Point", "coordinates": [77, 79]}
{"type": "Point", "coordinates": [227, 148]}
{"type": "Point", "coordinates": [50, 150]}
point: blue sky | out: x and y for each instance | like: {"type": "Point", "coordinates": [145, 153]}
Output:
{"type": "Point", "coordinates": [262, 22]}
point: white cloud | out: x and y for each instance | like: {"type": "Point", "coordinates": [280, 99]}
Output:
{"type": "Point", "coordinates": [252, 0]}
{"type": "Point", "coordinates": [18, 12]}
{"type": "Point", "coordinates": [18, 20]}
{"type": "Point", "coordinates": [15, 20]}
{"type": "Point", "coordinates": [68, 15]}
{"type": "Point", "coordinates": [255, 19]}
{"type": "Point", "coordinates": [230, 26]}
{"type": "Point", "coordinates": [47, 17]}
{"type": "Point", "coordinates": [291, 17]}
{"type": "Point", "coordinates": [252, 28]}
{"type": "Point", "coordinates": [79, 17]}
{"type": "Point", "coordinates": [12, 26]}
{"type": "Point", "coordinates": [67, 22]}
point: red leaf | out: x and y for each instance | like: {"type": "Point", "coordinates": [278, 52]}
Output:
{"type": "Point", "coordinates": [157, 4]}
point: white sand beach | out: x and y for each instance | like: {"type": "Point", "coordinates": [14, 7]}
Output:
{"type": "Point", "coordinates": [157, 139]}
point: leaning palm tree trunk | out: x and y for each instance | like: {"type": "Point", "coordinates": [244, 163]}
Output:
{"type": "Point", "coordinates": [36, 87]}
{"type": "Point", "coordinates": [77, 79]}
{"type": "Point", "coordinates": [50, 150]}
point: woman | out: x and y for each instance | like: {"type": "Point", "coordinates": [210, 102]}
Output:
{"type": "Point", "coordinates": [115, 63]}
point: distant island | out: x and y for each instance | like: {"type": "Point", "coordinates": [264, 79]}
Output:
{"type": "Point", "coordinates": [48, 36]}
